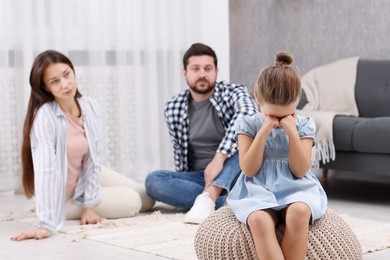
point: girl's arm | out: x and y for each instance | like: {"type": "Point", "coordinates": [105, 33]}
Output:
{"type": "Point", "coordinates": [299, 150]}
{"type": "Point", "coordinates": [299, 155]}
{"type": "Point", "coordinates": [251, 150]}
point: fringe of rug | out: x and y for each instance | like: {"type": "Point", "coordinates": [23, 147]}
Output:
{"type": "Point", "coordinates": [10, 215]}
{"type": "Point", "coordinates": [79, 232]}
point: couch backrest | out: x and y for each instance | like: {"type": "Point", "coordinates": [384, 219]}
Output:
{"type": "Point", "coordinates": [372, 90]}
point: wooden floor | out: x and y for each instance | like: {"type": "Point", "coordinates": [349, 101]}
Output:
{"type": "Point", "coordinates": [349, 193]}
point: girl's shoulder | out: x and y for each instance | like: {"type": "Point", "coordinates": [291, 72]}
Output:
{"type": "Point", "coordinates": [304, 120]}
{"type": "Point", "coordinates": [306, 126]}
{"type": "Point", "coordinates": [249, 124]}
{"type": "Point", "coordinates": [254, 119]}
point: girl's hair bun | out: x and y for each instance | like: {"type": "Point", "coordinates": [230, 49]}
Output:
{"type": "Point", "coordinates": [283, 59]}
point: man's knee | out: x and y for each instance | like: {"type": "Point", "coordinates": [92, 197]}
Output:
{"type": "Point", "coordinates": [152, 181]}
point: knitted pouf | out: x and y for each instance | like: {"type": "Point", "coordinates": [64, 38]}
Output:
{"type": "Point", "coordinates": [222, 236]}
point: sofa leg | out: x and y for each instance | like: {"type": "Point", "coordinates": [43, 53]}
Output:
{"type": "Point", "coordinates": [325, 173]}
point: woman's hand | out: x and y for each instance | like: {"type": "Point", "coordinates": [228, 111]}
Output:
{"type": "Point", "coordinates": [89, 216]}
{"type": "Point", "coordinates": [38, 233]}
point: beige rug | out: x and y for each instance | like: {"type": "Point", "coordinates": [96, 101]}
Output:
{"type": "Point", "coordinates": [372, 235]}
{"type": "Point", "coordinates": [165, 234]}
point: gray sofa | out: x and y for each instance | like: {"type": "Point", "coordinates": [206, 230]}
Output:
{"type": "Point", "coordinates": [363, 143]}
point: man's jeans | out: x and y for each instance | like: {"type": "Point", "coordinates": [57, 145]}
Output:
{"type": "Point", "coordinates": [180, 189]}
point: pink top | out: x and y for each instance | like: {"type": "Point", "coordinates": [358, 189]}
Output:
{"type": "Point", "coordinates": [77, 147]}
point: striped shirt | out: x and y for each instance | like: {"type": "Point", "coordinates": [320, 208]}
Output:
{"type": "Point", "coordinates": [229, 100]}
{"type": "Point", "coordinates": [48, 147]}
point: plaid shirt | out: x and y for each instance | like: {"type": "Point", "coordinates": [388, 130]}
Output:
{"type": "Point", "coordinates": [229, 100]}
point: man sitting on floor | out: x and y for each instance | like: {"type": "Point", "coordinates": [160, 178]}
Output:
{"type": "Point", "coordinates": [201, 125]}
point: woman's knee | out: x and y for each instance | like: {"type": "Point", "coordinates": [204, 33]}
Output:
{"type": "Point", "coordinates": [119, 202]}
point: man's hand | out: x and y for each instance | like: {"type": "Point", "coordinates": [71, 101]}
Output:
{"type": "Point", "coordinates": [89, 216]}
{"type": "Point", "coordinates": [214, 168]}
{"type": "Point", "coordinates": [38, 233]}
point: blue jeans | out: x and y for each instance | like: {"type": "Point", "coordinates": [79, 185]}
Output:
{"type": "Point", "coordinates": [180, 189]}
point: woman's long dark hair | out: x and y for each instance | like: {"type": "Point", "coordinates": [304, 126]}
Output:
{"type": "Point", "coordinates": [39, 96]}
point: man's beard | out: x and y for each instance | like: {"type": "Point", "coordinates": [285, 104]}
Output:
{"type": "Point", "coordinates": [210, 87]}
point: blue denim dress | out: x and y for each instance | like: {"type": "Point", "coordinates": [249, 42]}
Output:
{"type": "Point", "coordinates": [274, 186]}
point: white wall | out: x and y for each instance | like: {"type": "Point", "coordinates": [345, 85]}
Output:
{"type": "Point", "coordinates": [91, 27]}
{"type": "Point", "coordinates": [215, 32]}
{"type": "Point", "coordinates": [314, 32]}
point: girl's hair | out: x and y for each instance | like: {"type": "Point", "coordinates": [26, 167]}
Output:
{"type": "Point", "coordinates": [39, 96]}
{"type": "Point", "coordinates": [279, 84]}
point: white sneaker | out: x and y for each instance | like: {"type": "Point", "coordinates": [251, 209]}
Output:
{"type": "Point", "coordinates": [202, 208]}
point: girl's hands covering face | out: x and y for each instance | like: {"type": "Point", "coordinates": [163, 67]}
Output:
{"type": "Point", "coordinates": [269, 123]}
{"type": "Point", "coordinates": [279, 116]}
{"type": "Point", "coordinates": [288, 123]}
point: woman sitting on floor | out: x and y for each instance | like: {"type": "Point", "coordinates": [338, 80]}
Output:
{"type": "Point", "coordinates": [60, 154]}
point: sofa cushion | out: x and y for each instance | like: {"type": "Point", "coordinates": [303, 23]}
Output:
{"type": "Point", "coordinates": [360, 134]}
{"type": "Point", "coordinates": [372, 163]}
{"type": "Point", "coordinates": [372, 89]}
